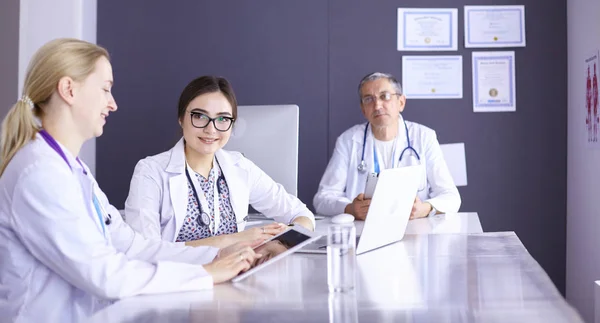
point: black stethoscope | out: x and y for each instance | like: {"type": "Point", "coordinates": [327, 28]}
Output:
{"type": "Point", "coordinates": [204, 218]}
{"type": "Point", "coordinates": [362, 167]}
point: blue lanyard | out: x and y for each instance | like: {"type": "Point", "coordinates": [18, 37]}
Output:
{"type": "Point", "coordinates": [376, 159]}
{"type": "Point", "coordinates": [99, 212]}
{"type": "Point", "coordinates": [54, 145]}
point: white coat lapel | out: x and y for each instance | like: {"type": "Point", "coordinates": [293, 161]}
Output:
{"type": "Point", "coordinates": [86, 182]}
{"type": "Point", "coordinates": [237, 182]}
{"type": "Point", "coordinates": [401, 145]}
{"type": "Point", "coordinates": [87, 189]}
{"type": "Point", "coordinates": [178, 186]}
{"type": "Point", "coordinates": [356, 182]}
{"type": "Point", "coordinates": [178, 191]}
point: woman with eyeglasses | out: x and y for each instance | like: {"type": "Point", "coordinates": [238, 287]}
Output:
{"type": "Point", "coordinates": [198, 193]}
{"type": "Point", "coordinates": [65, 252]}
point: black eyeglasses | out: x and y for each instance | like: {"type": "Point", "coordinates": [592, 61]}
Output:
{"type": "Point", "coordinates": [383, 96]}
{"type": "Point", "coordinates": [201, 120]}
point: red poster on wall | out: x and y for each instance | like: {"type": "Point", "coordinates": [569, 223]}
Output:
{"type": "Point", "coordinates": [592, 120]}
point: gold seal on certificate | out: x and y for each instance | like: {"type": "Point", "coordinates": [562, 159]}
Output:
{"type": "Point", "coordinates": [493, 92]}
{"type": "Point", "coordinates": [427, 40]}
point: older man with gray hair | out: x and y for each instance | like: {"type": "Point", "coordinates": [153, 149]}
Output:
{"type": "Point", "coordinates": [385, 141]}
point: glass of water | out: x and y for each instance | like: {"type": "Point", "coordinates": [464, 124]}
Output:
{"type": "Point", "coordinates": [341, 258]}
{"type": "Point", "coordinates": [343, 308]}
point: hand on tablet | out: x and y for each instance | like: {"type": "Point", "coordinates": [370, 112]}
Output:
{"type": "Point", "coordinates": [238, 247]}
{"type": "Point", "coordinates": [264, 233]}
{"type": "Point", "coordinates": [268, 251]}
{"type": "Point", "coordinates": [231, 261]}
{"type": "Point", "coordinates": [281, 245]}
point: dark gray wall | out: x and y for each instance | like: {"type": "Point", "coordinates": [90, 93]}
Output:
{"type": "Point", "coordinates": [273, 52]}
{"type": "Point", "coordinates": [9, 54]}
{"type": "Point", "coordinates": [313, 53]}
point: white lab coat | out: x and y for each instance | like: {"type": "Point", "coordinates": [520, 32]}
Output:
{"type": "Point", "coordinates": [56, 265]}
{"type": "Point", "coordinates": [342, 181]}
{"type": "Point", "coordinates": [158, 194]}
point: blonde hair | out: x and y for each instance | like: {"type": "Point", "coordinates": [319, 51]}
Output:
{"type": "Point", "coordinates": [56, 59]}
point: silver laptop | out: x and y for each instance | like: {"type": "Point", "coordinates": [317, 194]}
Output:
{"type": "Point", "coordinates": [388, 214]}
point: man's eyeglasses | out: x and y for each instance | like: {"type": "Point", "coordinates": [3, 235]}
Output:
{"type": "Point", "coordinates": [383, 96]}
{"type": "Point", "coordinates": [221, 123]}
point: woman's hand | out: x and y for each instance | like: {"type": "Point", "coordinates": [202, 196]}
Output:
{"type": "Point", "coordinates": [305, 222]}
{"type": "Point", "coordinates": [231, 261]}
{"type": "Point", "coordinates": [268, 251]}
{"type": "Point", "coordinates": [255, 233]}
{"type": "Point", "coordinates": [238, 247]}
{"type": "Point", "coordinates": [266, 232]}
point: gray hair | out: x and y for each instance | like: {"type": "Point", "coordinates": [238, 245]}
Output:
{"type": "Point", "coordinates": [376, 76]}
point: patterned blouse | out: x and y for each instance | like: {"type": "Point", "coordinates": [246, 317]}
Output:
{"type": "Point", "coordinates": [192, 228]}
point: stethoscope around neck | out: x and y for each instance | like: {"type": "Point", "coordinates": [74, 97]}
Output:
{"type": "Point", "coordinates": [362, 167]}
{"type": "Point", "coordinates": [203, 218]}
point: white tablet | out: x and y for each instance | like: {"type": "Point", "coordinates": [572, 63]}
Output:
{"type": "Point", "coordinates": [280, 246]}
{"type": "Point", "coordinates": [370, 185]}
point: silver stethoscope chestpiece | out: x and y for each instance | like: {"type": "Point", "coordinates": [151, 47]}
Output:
{"type": "Point", "coordinates": [362, 167]}
{"type": "Point", "coordinates": [205, 218]}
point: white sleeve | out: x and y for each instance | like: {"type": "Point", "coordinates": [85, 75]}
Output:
{"type": "Point", "coordinates": [53, 221]}
{"type": "Point", "coordinates": [142, 207]}
{"type": "Point", "coordinates": [331, 197]}
{"type": "Point", "coordinates": [271, 198]}
{"type": "Point", "coordinates": [444, 195]}
{"type": "Point", "coordinates": [137, 246]}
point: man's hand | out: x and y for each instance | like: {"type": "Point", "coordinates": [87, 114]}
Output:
{"type": "Point", "coordinates": [420, 209]}
{"type": "Point", "coordinates": [359, 207]}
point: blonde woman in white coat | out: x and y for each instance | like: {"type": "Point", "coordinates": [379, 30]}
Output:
{"type": "Point", "coordinates": [64, 250]}
{"type": "Point", "coordinates": [197, 193]}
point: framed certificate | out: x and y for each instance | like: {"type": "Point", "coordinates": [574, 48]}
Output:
{"type": "Point", "coordinates": [494, 26]}
{"type": "Point", "coordinates": [432, 77]}
{"type": "Point", "coordinates": [494, 82]}
{"type": "Point", "coordinates": [427, 29]}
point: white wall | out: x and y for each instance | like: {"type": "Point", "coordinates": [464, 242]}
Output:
{"type": "Point", "coordinates": [583, 164]}
{"type": "Point", "coordinates": [41, 21]}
